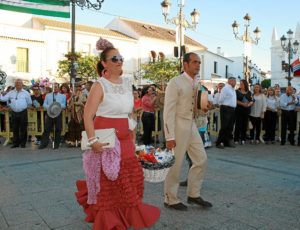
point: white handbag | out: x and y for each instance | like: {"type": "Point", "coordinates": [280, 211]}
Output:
{"type": "Point", "coordinates": [104, 136]}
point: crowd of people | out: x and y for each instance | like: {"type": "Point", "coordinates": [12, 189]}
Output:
{"type": "Point", "coordinates": [244, 113]}
{"type": "Point", "coordinates": [18, 100]}
{"type": "Point", "coordinates": [243, 110]}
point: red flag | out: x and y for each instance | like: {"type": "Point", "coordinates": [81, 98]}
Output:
{"type": "Point", "coordinates": [296, 67]}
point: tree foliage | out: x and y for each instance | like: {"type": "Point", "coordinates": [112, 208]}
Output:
{"type": "Point", "coordinates": [160, 71]}
{"type": "Point", "coordinates": [266, 83]}
{"type": "Point", "coordinates": [86, 66]}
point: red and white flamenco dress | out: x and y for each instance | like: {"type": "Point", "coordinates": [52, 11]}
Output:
{"type": "Point", "coordinates": [119, 204]}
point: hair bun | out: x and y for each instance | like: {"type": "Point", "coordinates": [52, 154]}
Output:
{"type": "Point", "coordinates": [102, 44]}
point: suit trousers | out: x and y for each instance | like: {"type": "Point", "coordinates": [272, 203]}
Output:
{"type": "Point", "coordinates": [227, 122]}
{"type": "Point", "coordinates": [49, 123]}
{"type": "Point", "coordinates": [288, 122]}
{"type": "Point", "coordinates": [187, 140]}
{"type": "Point", "coordinates": [19, 127]}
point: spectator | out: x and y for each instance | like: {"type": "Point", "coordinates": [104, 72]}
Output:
{"type": "Point", "coordinates": [288, 115]}
{"type": "Point", "coordinates": [272, 103]}
{"type": "Point", "coordinates": [244, 103]}
{"type": "Point", "coordinates": [76, 125]}
{"type": "Point", "coordinates": [37, 102]}
{"type": "Point", "coordinates": [87, 88]}
{"type": "Point", "coordinates": [217, 94]}
{"type": "Point", "coordinates": [47, 90]}
{"type": "Point", "coordinates": [65, 89]}
{"type": "Point", "coordinates": [148, 120]}
{"type": "Point", "coordinates": [257, 113]}
{"type": "Point", "coordinates": [18, 101]}
{"type": "Point", "coordinates": [227, 102]}
{"type": "Point", "coordinates": [56, 96]}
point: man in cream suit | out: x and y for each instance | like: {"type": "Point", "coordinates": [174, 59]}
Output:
{"type": "Point", "coordinates": [182, 135]}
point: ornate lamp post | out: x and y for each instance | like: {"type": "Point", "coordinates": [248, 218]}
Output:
{"type": "Point", "coordinates": [290, 49]}
{"type": "Point", "coordinates": [83, 4]}
{"type": "Point", "coordinates": [247, 39]}
{"type": "Point", "coordinates": [181, 24]}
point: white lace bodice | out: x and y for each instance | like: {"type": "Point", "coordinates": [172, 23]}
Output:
{"type": "Point", "coordinates": [117, 99]}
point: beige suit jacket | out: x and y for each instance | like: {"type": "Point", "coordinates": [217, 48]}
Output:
{"type": "Point", "coordinates": [179, 103]}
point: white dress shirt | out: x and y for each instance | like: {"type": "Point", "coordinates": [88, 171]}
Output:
{"type": "Point", "coordinates": [228, 96]}
{"type": "Point", "coordinates": [17, 100]}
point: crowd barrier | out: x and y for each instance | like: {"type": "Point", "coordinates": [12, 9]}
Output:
{"type": "Point", "coordinates": [36, 123]}
{"type": "Point", "coordinates": [214, 124]}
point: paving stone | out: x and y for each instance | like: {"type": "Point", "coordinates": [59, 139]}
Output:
{"type": "Point", "coordinates": [76, 226]}
{"type": "Point", "coordinates": [3, 223]}
{"type": "Point", "coordinates": [57, 215]}
{"type": "Point", "coordinates": [20, 214]}
{"type": "Point", "coordinates": [30, 226]}
{"type": "Point", "coordinates": [251, 187]}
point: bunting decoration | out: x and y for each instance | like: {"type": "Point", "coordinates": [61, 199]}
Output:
{"type": "Point", "coordinates": [54, 8]}
{"type": "Point", "coordinates": [296, 67]}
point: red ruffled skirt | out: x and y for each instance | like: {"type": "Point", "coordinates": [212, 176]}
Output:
{"type": "Point", "coordinates": [119, 203]}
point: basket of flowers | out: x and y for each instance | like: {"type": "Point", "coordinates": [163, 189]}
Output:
{"type": "Point", "coordinates": [155, 162]}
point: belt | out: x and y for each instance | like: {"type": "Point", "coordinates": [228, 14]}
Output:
{"type": "Point", "coordinates": [148, 112]}
{"type": "Point", "coordinates": [227, 106]}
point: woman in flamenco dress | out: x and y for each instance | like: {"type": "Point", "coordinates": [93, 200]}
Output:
{"type": "Point", "coordinates": [112, 193]}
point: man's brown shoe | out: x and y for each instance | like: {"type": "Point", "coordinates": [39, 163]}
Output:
{"type": "Point", "coordinates": [178, 206]}
{"type": "Point", "coordinates": [199, 201]}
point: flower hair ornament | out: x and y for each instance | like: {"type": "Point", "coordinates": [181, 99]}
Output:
{"type": "Point", "coordinates": [102, 44]}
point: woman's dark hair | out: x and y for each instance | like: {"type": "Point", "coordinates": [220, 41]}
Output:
{"type": "Point", "coordinates": [145, 90]}
{"type": "Point", "coordinates": [99, 68]}
{"type": "Point", "coordinates": [246, 85]}
{"type": "Point", "coordinates": [103, 56]}
{"type": "Point", "coordinates": [65, 85]}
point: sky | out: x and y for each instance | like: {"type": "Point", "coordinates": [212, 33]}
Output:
{"type": "Point", "coordinates": [214, 28]}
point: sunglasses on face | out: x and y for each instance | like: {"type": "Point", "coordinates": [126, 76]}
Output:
{"type": "Point", "coordinates": [116, 58]}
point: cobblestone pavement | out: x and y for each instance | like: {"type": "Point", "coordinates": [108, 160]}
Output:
{"type": "Point", "coordinates": [251, 187]}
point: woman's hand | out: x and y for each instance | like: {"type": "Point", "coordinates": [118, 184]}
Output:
{"type": "Point", "coordinates": [98, 147]}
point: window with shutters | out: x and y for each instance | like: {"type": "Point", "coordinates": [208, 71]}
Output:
{"type": "Point", "coordinates": [22, 60]}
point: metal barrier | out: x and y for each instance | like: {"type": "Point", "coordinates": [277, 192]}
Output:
{"type": "Point", "coordinates": [36, 123]}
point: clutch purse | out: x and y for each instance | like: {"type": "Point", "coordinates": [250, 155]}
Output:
{"type": "Point", "coordinates": [104, 136]}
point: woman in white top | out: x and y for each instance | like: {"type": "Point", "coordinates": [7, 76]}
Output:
{"type": "Point", "coordinates": [118, 204]}
{"type": "Point", "coordinates": [272, 104]}
{"type": "Point", "coordinates": [257, 113]}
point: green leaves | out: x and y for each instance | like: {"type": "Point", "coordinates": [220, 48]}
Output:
{"type": "Point", "coordinates": [86, 66]}
{"type": "Point", "coordinates": [160, 71]}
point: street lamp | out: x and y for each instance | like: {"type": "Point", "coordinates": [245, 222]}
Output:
{"type": "Point", "coordinates": [73, 58]}
{"type": "Point", "coordinates": [181, 24]}
{"type": "Point", "coordinates": [246, 38]}
{"type": "Point", "coordinates": [288, 48]}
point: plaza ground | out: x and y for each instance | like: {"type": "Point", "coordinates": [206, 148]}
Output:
{"type": "Point", "coordinates": [251, 187]}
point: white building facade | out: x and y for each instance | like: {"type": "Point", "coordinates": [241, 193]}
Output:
{"type": "Point", "coordinates": [215, 68]}
{"type": "Point", "coordinates": [278, 75]}
{"type": "Point", "coordinates": [32, 47]}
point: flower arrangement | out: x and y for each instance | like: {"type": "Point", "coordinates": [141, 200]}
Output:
{"type": "Point", "coordinates": [155, 162]}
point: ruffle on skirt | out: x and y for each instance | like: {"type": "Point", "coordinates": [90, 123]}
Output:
{"type": "Point", "coordinates": [119, 203]}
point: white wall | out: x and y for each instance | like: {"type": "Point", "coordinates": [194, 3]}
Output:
{"type": "Point", "coordinates": [277, 56]}
{"type": "Point", "coordinates": [23, 38]}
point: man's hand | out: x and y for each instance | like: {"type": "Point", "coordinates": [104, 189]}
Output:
{"type": "Point", "coordinates": [171, 144]}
